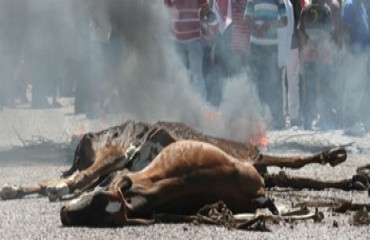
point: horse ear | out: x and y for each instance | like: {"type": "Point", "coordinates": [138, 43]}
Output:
{"type": "Point", "coordinates": [115, 135]}
{"type": "Point", "coordinates": [86, 139]}
{"type": "Point", "coordinates": [88, 136]}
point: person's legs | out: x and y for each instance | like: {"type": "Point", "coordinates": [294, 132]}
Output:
{"type": "Point", "coordinates": [265, 73]}
{"type": "Point", "coordinates": [257, 65]}
{"type": "Point", "coordinates": [223, 53]}
{"type": "Point", "coordinates": [182, 51]}
{"type": "Point", "coordinates": [283, 75]}
{"type": "Point", "coordinates": [95, 78]}
{"type": "Point", "coordinates": [365, 114]}
{"type": "Point", "coordinates": [196, 67]}
{"type": "Point", "coordinates": [293, 86]}
{"type": "Point", "coordinates": [275, 90]}
{"type": "Point", "coordinates": [337, 84]}
{"type": "Point", "coordinates": [39, 82]}
{"type": "Point", "coordinates": [309, 108]}
{"type": "Point", "coordinates": [325, 97]}
{"type": "Point", "coordinates": [354, 91]}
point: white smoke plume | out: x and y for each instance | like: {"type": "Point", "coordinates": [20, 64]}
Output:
{"type": "Point", "coordinates": [154, 84]}
{"type": "Point", "coordinates": [54, 38]}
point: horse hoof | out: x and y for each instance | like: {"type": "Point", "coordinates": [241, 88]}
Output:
{"type": "Point", "coordinates": [9, 192]}
{"type": "Point", "coordinates": [55, 192]}
{"type": "Point", "coordinates": [364, 172]}
{"type": "Point", "coordinates": [360, 182]}
{"type": "Point", "coordinates": [335, 156]}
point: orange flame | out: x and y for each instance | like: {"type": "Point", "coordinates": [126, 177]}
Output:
{"type": "Point", "coordinates": [254, 129]}
{"type": "Point", "coordinates": [258, 139]}
{"type": "Point", "coordinates": [256, 132]}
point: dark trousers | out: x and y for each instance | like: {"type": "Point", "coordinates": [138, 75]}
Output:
{"type": "Point", "coordinates": [267, 77]}
{"type": "Point", "coordinates": [318, 94]}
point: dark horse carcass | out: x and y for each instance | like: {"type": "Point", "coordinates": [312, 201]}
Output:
{"type": "Point", "coordinates": [168, 167]}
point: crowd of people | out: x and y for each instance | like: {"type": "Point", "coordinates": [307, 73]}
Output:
{"type": "Point", "coordinates": [307, 58]}
{"type": "Point", "coordinates": [54, 49]}
{"type": "Point", "coordinates": [36, 53]}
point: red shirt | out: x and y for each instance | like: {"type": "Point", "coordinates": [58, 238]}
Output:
{"type": "Point", "coordinates": [240, 32]}
{"type": "Point", "coordinates": [186, 16]}
{"type": "Point", "coordinates": [303, 3]}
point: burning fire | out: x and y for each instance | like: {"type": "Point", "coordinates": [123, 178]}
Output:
{"type": "Point", "coordinates": [254, 129]}
{"type": "Point", "coordinates": [259, 138]}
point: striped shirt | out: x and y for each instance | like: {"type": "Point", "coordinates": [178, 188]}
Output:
{"type": "Point", "coordinates": [240, 32]}
{"type": "Point", "coordinates": [262, 10]}
{"type": "Point", "coordinates": [186, 18]}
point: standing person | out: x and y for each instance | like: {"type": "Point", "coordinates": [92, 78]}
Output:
{"type": "Point", "coordinates": [13, 16]}
{"type": "Point", "coordinates": [91, 90]}
{"type": "Point", "coordinates": [96, 92]}
{"type": "Point", "coordinates": [356, 41]}
{"type": "Point", "coordinates": [240, 36]}
{"type": "Point", "coordinates": [232, 45]}
{"type": "Point", "coordinates": [293, 70]}
{"type": "Point", "coordinates": [265, 17]}
{"type": "Point", "coordinates": [222, 8]}
{"type": "Point", "coordinates": [284, 43]}
{"type": "Point", "coordinates": [186, 29]}
{"type": "Point", "coordinates": [338, 61]}
{"type": "Point", "coordinates": [44, 45]}
{"type": "Point", "coordinates": [366, 99]}
{"type": "Point", "coordinates": [315, 27]}
{"type": "Point", "coordinates": [216, 58]}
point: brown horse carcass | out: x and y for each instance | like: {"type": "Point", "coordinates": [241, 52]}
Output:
{"type": "Point", "coordinates": [125, 151]}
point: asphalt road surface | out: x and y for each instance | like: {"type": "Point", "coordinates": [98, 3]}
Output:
{"type": "Point", "coordinates": [34, 146]}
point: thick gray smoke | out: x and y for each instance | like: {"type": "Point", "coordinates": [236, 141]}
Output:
{"type": "Point", "coordinates": [59, 40]}
{"type": "Point", "coordinates": [155, 85]}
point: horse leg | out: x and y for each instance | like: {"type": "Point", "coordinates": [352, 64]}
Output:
{"type": "Point", "coordinates": [364, 170]}
{"type": "Point", "coordinates": [11, 191]}
{"type": "Point", "coordinates": [86, 178]}
{"type": "Point", "coordinates": [281, 179]}
{"type": "Point", "coordinates": [333, 156]}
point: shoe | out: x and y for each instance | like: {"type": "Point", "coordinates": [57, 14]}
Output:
{"type": "Point", "coordinates": [355, 130]}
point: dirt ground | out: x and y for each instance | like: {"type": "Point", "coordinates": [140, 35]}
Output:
{"type": "Point", "coordinates": [35, 145]}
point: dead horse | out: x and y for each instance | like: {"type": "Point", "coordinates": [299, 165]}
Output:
{"type": "Point", "coordinates": [185, 176]}
{"type": "Point", "coordinates": [133, 145]}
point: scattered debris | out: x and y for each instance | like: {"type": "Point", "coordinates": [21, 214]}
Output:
{"type": "Point", "coordinates": [335, 224]}
{"type": "Point", "coordinates": [349, 206]}
{"type": "Point", "coordinates": [219, 214]}
{"type": "Point", "coordinates": [361, 217]}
